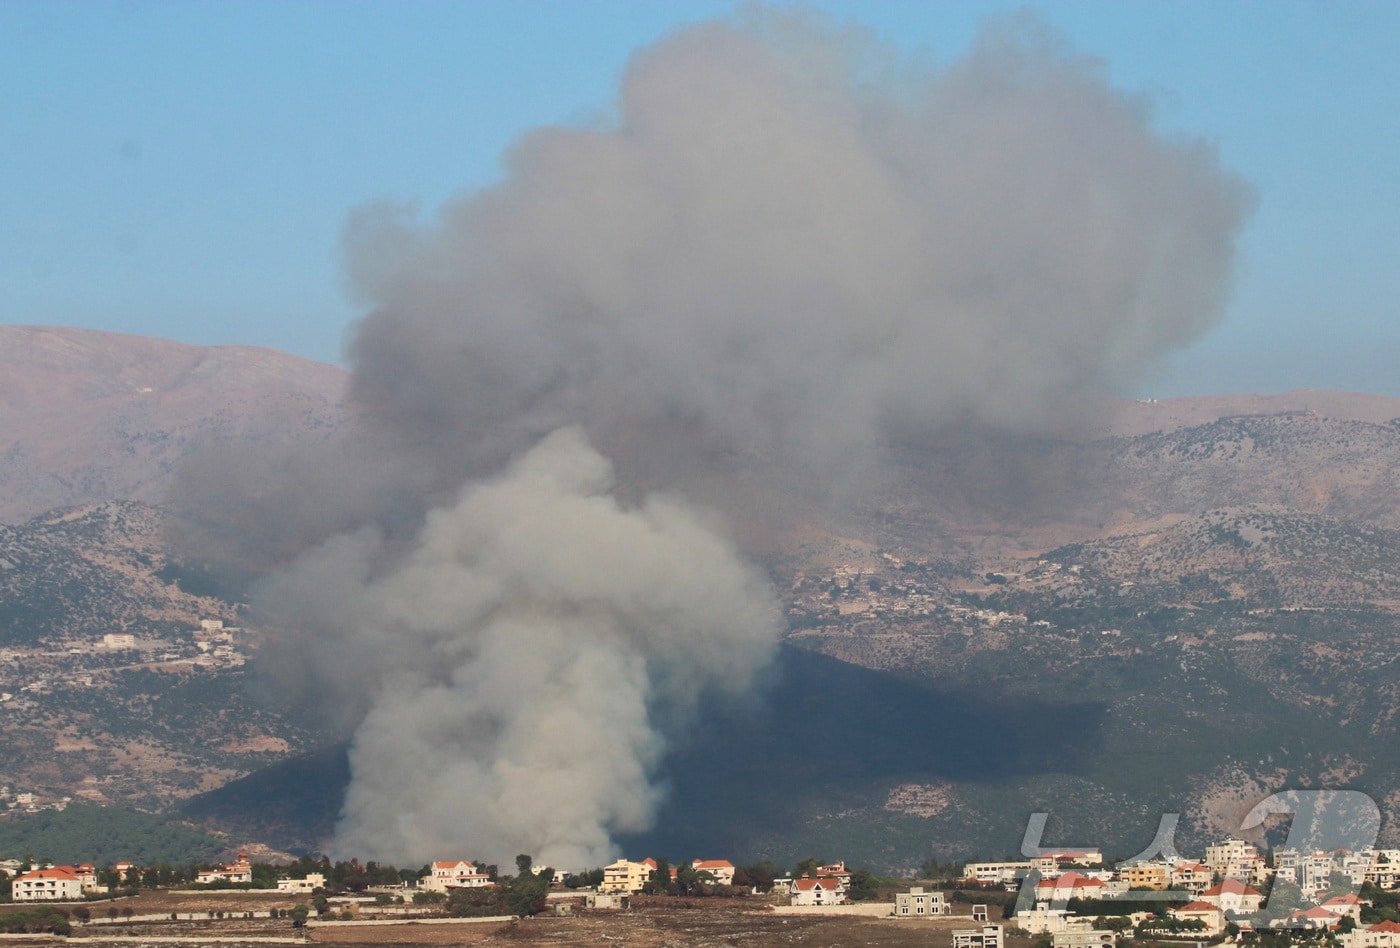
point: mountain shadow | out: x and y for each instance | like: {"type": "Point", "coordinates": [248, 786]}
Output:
{"type": "Point", "coordinates": [821, 728]}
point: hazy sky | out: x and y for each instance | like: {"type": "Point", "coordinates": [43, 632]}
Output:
{"type": "Point", "coordinates": [185, 169]}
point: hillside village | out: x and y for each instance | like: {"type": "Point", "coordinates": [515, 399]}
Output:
{"type": "Point", "coordinates": [1058, 899]}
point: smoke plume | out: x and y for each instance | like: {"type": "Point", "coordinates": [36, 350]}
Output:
{"type": "Point", "coordinates": [785, 243]}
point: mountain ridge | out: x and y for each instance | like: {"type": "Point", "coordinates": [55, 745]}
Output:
{"type": "Point", "coordinates": [1177, 563]}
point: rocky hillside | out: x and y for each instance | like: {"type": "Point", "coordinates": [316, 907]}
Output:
{"type": "Point", "coordinates": [88, 416]}
{"type": "Point", "coordinates": [1173, 606]}
{"type": "Point", "coordinates": [123, 673]}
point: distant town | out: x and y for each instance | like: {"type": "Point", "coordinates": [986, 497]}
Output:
{"type": "Point", "coordinates": [1059, 899]}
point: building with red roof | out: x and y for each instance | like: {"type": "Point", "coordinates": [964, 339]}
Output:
{"type": "Point", "coordinates": [819, 890]}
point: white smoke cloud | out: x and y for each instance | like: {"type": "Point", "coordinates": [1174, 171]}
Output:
{"type": "Point", "coordinates": [516, 661]}
{"type": "Point", "coordinates": [786, 244]}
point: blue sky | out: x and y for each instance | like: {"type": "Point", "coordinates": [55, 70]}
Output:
{"type": "Point", "coordinates": [184, 170]}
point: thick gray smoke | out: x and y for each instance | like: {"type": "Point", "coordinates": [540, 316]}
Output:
{"type": "Point", "coordinates": [787, 243]}
{"type": "Point", "coordinates": [517, 658]}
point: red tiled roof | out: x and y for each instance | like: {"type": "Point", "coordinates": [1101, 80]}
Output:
{"type": "Point", "coordinates": [53, 872]}
{"type": "Point", "coordinates": [1233, 887]}
{"type": "Point", "coordinates": [712, 864]}
{"type": "Point", "coordinates": [824, 882]}
{"type": "Point", "coordinates": [1198, 907]}
{"type": "Point", "coordinates": [1317, 911]}
{"type": "Point", "coordinates": [1386, 926]}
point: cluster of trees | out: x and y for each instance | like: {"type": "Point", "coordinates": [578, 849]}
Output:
{"type": "Point", "coordinates": [45, 919]}
{"type": "Point", "coordinates": [521, 894]}
{"type": "Point", "coordinates": [83, 832]}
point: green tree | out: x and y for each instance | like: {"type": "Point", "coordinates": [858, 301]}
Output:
{"type": "Point", "coordinates": [527, 894]}
{"type": "Point", "coordinates": [862, 887]}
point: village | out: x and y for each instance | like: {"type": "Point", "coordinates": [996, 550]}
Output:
{"type": "Point", "coordinates": [1058, 899]}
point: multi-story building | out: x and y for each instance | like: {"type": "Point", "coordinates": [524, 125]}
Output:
{"type": "Point", "coordinates": [453, 874]}
{"type": "Point", "coordinates": [988, 936]}
{"type": "Point", "coordinates": [54, 884]}
{"type": "Point", "coordinates": [916, 903]}
{"type": "Point", "coordinates": [819, 890]}
{"type": "Point", "coordinates": [1146, 875]}
{"type": "Point", "coordinates": [240, 871]}
{"type": "Point", "coordinates": [721, 869]}
{"type": "Point", "coordinates": [626, 877]}
{"type": "Point", "coordinates": [997, 873]}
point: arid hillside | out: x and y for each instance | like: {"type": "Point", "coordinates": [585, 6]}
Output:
{"type": "Point", "coordinates": [88, 416]}
{"type": "Point", "coordinates": [1167, 606]}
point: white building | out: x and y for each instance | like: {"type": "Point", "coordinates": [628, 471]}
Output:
{"type": "Point", "coordinates": [55, 884]}
{"type": "Point", "coordinates": [998, 873]}
{"type": "Point", "coordinates": [455, 874]}
{"type": "Point", "coordinates": [721, 869]}
{"type": "Point", "coordinates": [239, 872]}
{"type": "Point", "coordinates": [312, 882]}
{"type": "Point", "coordinates": [916, 903]}
{"type": "Point", "coordinates": [823, 890]}
{"type": "Point", "coordinates": [1042, 920]}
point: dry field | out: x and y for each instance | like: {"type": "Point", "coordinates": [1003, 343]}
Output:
{"type": "Point", "coordinates": [652, 923]}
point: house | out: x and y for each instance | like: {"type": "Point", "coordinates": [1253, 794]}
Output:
{"type": "Point", "coordinates": [1380, 935]}
{"type": "Point", "coordinates": [1070, 885]}
{"type": "Point", "coordinates": [312, 882]}
{"type": "Point", "coordinates": [238, 872]}
{"type": "Point", "coordinates": [1192, 876]}
{"type": "Point", "coordinates": [627, 877]}
{"type": "Point", "coordinates": [988, 936]}
{"type": "Point", "coordinates": [821, 890]}
{"type": "Point", "coordinates": [916, 903]}
{"type": "Point", "coordinates": [1042, 920]}
{"type": "Point", "coordinates": [1347, 906]}
{"type": "Point", "coordinates": [1207, 913]}
{"type": "Point", "coordinates": [54, 884]}
{"type": "Point", "coordinates": [998, 873]}
{"type": "Point", "coordinates": [721, 869]}
{"type": "Point", "coordinates": [1234, 897]}
{"type": "Point", "coordinates": [1317, 918]}
{"type": "Point", "coordinates": [837, 870]}
{"type": "Point", "coordinates": [87, 879]}
{"type": "Point", "coordinates": [453, 874]}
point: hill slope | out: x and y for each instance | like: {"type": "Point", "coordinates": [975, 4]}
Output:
{"type": "Point", "coordinates": [91, 416]}
{"type": "Point", "coordinates": [1182, 607]}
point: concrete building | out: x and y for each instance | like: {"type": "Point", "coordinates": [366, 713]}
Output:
{"type": "Point", "coordinates": [988, 936]}
{"type": "Point", "coordinates": [453, 874]}
{"type": "Point", "coordinates": [312, 882]}
{"type": "Point", "coordinates": [627, 877]}
{"type": "Point", "coordinates": [916, 903]}
{"type": "Point", "coordinates": [55, 884]}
